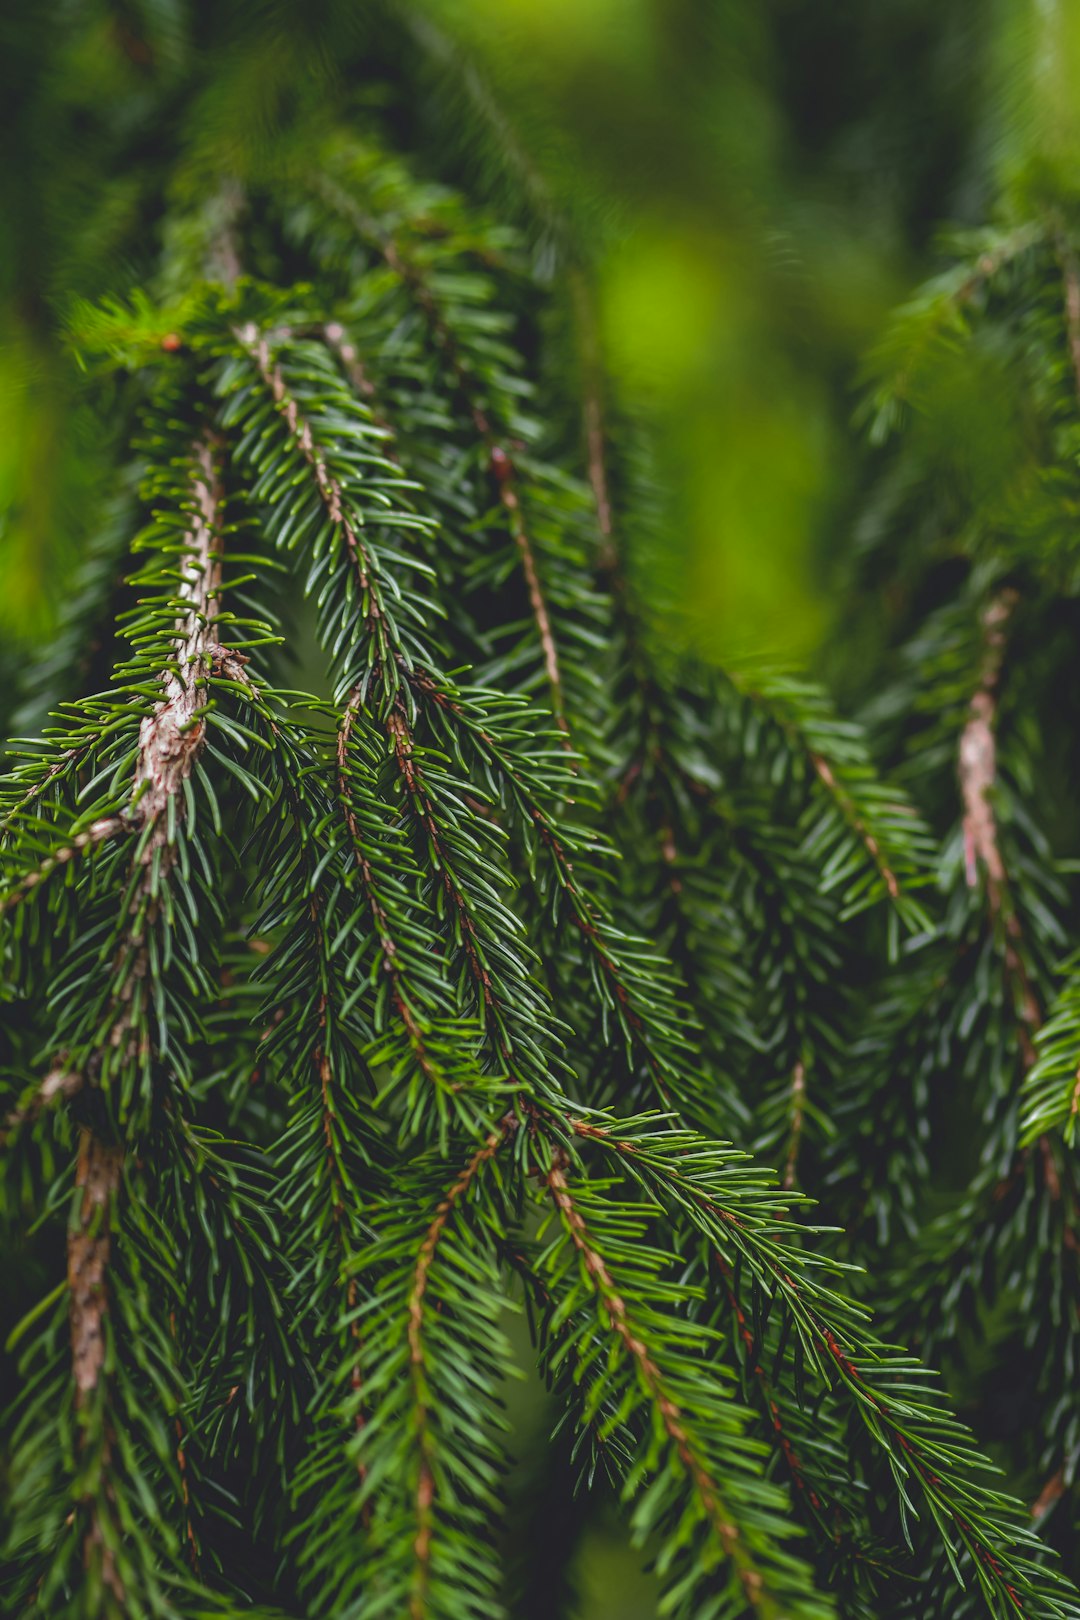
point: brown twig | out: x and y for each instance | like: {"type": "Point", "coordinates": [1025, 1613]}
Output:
{"type": "Point", "coordinates": [97, 1182]}
{"type": "Point", "coordinates": [977, 755]}
{"type": "Point", "coordinates": [97, 833]}
{"type": "Point", "coordinates": [593, 419]}
{"type": "Point", "coordinates": [170, 739]}
{"type": "Point", "coordinates": [1070, 276]}
{"type": "Point", "coordinates": [977, 769]}
{"type": "Point", "coordinates": [798, 1115]}
{"type": "Point", "coordinates": [1050, 1495]}
{"type": "Point", "coordinates": [58, 1084]}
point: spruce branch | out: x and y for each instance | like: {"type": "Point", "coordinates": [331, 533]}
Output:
{"type": "Point", "coordinates": [58, 1085]}
{"type": "Point", "coordinates": [719, 1515]}
{"type": "Point", "coordinates": [872, 842]}
{"type": "Point", "coordinates": [673, 1431]}
{"type": "Point", "coordinates": [937, 320]}
{"type": "Point", "coordinates": [887, 1389]}
{"type": "Point", "coordinates": [98, 832]}
{"type": "Point", "coordinates": [422, 960]}
{"type": "Point", "coordinates": [171, 737]}
{"type": "Point", "coordinates": [502, 470]}
{"type": "Point", "coordinates": [425, 1487]}
{"type": "Point", "coordinates": [435, 1355]}
{"type": "Point", "coordinates": [97, 1183]}
{"type": "Point", "coordinates": [1052, 1084]}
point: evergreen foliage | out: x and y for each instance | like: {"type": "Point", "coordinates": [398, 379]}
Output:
{"type": "Point", "coordinates": [529, 966]}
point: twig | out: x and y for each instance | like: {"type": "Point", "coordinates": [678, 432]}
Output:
{"type": "Point", "coordinates": [97, 1181]}
{"type": "Point", "coordinates": [798, 1115]}
{"type": "Point", "coordinates": [425, 1487]}
{"type": "Point", "coordinates": [58, 1084]}
{"type": "Point", "coordinates": [671, 1414]}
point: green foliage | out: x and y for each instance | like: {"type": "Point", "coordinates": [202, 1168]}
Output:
{"type": "Point", "coordinates": [529, 966]}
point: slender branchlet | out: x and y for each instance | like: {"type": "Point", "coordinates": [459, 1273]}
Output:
{"type": "Point", "coordinates": [716, 1511]}
{"type": "Point", "coordinates": [425, 1480]}
{"type": "Point", "coordinates": [171, 737]}
{"type": "Point", "coordinates": [97, 1187]}
{"type": "Point", "coordinates": [502, 468]}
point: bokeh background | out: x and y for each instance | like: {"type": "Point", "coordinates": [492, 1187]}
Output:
{"type": "Point", "coordinates": [754, 185]}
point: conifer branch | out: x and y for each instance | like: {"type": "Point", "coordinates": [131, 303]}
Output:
{"type": "Point", "coordinates": [443, 938]}
{"type": "Point", "coordinates": [873, 817]}
{"type": "Point", "coordinates": [97, 1183]}
{"type": "Point", "coordinates": [936, 318]}
{"type": "Point", "coordinates": [434, 1354]}
{"type": "Point", "coordinates": [718, 1514]}
{"type": "Point", "coordinates": [977, 767]}
{"type": "Point", "coordinates": [425, 1488]}
{"type": "Point", "coordinates": [329, 489]}
{"type": "Point", "coordinates": [58, 1085]}
{"type": "Point", "coordinates": [651, 1021]}
{"type": "Point", "coordinates": [502, 469]}
{"type": "Point", "coordinates": [67, 759]}
{"type": "Point", "coordinates": [97, 833]}
{"type": "Point", "coordinates": [1052, 1085]}
{"type": "Point", "coordinates": [171, 738]}
{"type": "Point", "coordinates": [379, 913]}
{"type": "Point", "coordinates": [755, 1357]}
{"type": "Point", "coordinates": [900, 1411]}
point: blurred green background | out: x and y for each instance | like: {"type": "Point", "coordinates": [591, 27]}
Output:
{"type": "Point", "coordinates": [751, 184]}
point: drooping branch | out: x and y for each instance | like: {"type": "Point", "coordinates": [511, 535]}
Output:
{"type": "Point", "coordinates": [99, 832]}
{"type": "Point", "coordinates": [97, 1183]}
{"type": "Point", "coordinates": [386, 669]}
{"type": "Point", "coordinates": [716, 1511]}
{"type": "Point", "coordinates": [768, 1394]}
{"type": "Point", "coordinates": [425, 1486]}
{"type": "Point", "coordinates": [502, 469]}
{"type": "Point", "coordinates": [388, 948]}
{"type": "Point", "coordinates": [977, 769]}
{"type": "Point", "coordinates": [60, 1083]}
{"type": "Point", "coordinates": [170, 739]}
{"type": "Point", "coordinates": [257, 345]}
{"type": "Point", "coordinates": [920, 1441]}
{"type": "Point", "coordinates": [586, 916]}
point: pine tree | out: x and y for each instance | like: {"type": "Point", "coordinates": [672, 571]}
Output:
{"type": "Point", "coordinates": [527, 966]}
